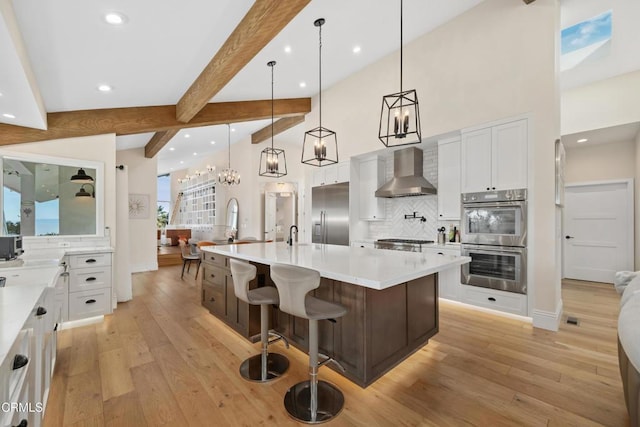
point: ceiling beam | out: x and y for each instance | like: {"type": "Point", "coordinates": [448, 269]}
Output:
{"type": "Point", "coordinates": [159, 140]}
{"type": "Point", "coordinates": [129, 121]}
{"type": "Point", "coordinates": [278, 127]}
{"type": "Point", "coordinates": [260, 25]}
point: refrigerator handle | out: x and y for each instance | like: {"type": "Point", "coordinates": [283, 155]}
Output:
{"type": "Point", "coordinates": [326, 231]}
{"type": "Point", "coordinates": [322, 227]}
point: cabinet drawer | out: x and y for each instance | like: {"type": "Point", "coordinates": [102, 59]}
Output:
{"type": "Point", "coordinates": [440, 251]}
{"type": "Point", "coordinates": [213, 276]}
{"type": "Point", "coordinates": [89, 260]}
{"type": "Point", "coordinates": [213, 299]}
{"type": "Point", "coordinates": [497, 300]}
{"type": "Point", "coordinates": [89, 303]}
{"type": "Point", "coordinates": [215, 259]}
{"type": "Point", "coordinates": [89, 278]}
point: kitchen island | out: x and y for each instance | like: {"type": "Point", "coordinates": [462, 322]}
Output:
{"type": "Point", "coordinates": [391, 297]}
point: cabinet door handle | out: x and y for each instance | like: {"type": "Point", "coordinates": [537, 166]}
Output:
{"type": "Point", "coordinates": [492, 299]}
{"type": "Point", "coordinates": [19, 361]}
{"type": "Point", "coordinates": [488, 188]}
{"type": "Point", "coordinates": [23, 423]}
{"type": "Point", "coordinates": [41, 311]}
{"type": "Point", "coordinates": [213, 275]}
{"type": "Point", "coordinates": [91, 260]}
{"type": "Point", "coordinates": [212, 299]}
{"type": "Point", "coordinates": [90, 279]}
{"type": "Point", "coordinates": [440, 253]}
{"type": "Point", "coordinates": [90, 301]}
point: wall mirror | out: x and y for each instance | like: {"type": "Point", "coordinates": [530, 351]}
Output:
{"type": "Point", "coordinates": [46, 196]}
{"type": "Point", "coordinates": [232, 214]}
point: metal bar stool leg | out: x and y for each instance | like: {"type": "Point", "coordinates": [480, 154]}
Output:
{"type": "Point", "coordinates": [313, 401]}
{"type": "Point", "coordinates": [265, 366]}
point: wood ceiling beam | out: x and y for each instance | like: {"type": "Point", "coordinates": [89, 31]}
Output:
{"type": "Point", "coordinates": [158, 141]}
{"type": "Point", "coordinates": [278, 127]}
{"type": "Point", "coordinates": [129, 121]}
{"type": "Point", "coordinates": [260, 25]}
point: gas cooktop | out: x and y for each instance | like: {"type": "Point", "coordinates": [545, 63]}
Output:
{"type": "Point", "coordinates": [410, 241]}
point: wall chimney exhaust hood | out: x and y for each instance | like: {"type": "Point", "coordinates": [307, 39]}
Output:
{"type": "Point", "coordinates": [407, 176]}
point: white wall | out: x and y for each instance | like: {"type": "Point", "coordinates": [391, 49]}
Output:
{"type": "Point", "coordinates": [601, 162]}
{"type": "Point", "coordinates": [602, 104]}
{"type": "Point", "coordinates": [142, 232]}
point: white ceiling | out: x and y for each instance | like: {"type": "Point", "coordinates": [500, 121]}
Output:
{"type": "Point", "coordinates": [155, 56]}
{"type": "Point", "coordinates": [622, 133]}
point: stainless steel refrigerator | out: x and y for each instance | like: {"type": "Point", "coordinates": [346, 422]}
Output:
{"type": "Point", "coordinates": [330, 214]}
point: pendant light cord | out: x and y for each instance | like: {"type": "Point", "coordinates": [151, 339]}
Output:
{"type": "Point", "coordinates": [320, 75]}
{"type": "Point", "coordinates": [401, 14]}
{"type": "Point", "coordinates": [229, 143]}
{"type": "Point", "coordinates": [272, 105]}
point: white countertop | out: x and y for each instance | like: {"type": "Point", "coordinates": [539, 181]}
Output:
{"type": "Point", "coordinates": [371, 268]}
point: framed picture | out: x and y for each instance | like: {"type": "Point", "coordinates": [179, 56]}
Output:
{"type": "Point", "coordinates": [138, 206]}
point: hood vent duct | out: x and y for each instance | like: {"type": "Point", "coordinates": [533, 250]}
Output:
{"type": "Point", "coordinates": [407, 176]}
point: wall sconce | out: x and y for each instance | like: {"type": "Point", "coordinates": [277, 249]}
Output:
{"type": "Point", "coordinates": [81, 177]}
{"type": "Point", "coordinates": [85, 193]}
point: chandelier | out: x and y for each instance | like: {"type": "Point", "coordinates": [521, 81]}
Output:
{"type": "Point", "coordinates": [273, 162]}
{"type": "Point", "coordinates": [320, 146]}
{"type": "Point", "coordinates": [400, 116]}
{"type": "Point", "coordinates": [229, 176]}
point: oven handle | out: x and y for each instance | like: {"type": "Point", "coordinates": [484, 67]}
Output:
{"type": "Point", "coordinates": [517, 203]}
{"type": "Point", "coordinates": [494, 249]}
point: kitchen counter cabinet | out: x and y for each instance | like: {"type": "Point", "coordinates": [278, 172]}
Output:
{"type": "Point", "coordinates": [388, 318]}
{"type": "Point", "coordinates": [371, 177]}
{"type": "Point", "coordinates": [332, 174]}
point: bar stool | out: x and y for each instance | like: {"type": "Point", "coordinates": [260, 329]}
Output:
{"type": "Point", "coordinates": [265, 366]}
{"type": "Point", "coordinates": [310, 401]}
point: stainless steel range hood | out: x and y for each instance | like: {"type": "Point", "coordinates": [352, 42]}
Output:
{"type": "Point", "coordinates": [407, 176]}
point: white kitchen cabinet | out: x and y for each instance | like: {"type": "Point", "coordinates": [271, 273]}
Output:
{"type": "Point", "coordinates": [449, 179]}
{"type": "Point", "coordinates": [449, 279]}
{"type": "Point", "coordinates": [492, 298]}
{"type": "Point", "coordinates": [89, 285]}
{"type": "Point", "coordinates": [495, 158]}
{"type": "Point", "coordinates": [332, 174]}
{"type": "Point", "coordinates": [372, 177]}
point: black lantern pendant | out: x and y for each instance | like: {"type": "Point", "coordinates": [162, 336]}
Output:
{"type": "Point", "coordinates": [229, 176]}
{"type": "Point", "coordinates": [400, 115]}
{"type": "Point", "coordinates": [273, 162]}
{"type": "Point", "coordinates": [320, 146]}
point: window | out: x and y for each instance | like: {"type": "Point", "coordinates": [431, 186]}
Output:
{"type": "Point", "coordinates": [164, 199]}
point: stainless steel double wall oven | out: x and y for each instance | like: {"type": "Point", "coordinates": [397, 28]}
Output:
{"type": "Point", "coordinates": [494, 234]}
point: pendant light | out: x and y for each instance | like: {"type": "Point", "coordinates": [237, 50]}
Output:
{"type": "Point", "coordinates": [84, 193]}
{"type": "Point", "coordinates": [81, 177]}
{"type": "Point", "coordinates": [271, 164]}
{"type": "Point", "coordinates": [320, 146]}
{"type": "Point", "coordinates": [400, 116]}
{"type": "Point", "coordinates": [229, 176]}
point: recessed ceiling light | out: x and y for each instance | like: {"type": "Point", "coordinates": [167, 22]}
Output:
{"type": "Point", "coordinates": [233, 129]}
{"type": "Point", "coordinates": [195, 154]}
{"type": "Point", "coordinates": [303, 84]}
{"type": "Point", "coordinates": [213, 142]}
{"type": "Point", "coordinates": [0, 93]}
{"type": "Point", "coordinates": [580, 141]}
{"type": "Point", "coordinates": [356, 49]}
{"type": "Point", "coordinates": [287, 49]}
{"type": "Point", "coordinates": [171, 148]}
{"type": "Point", "coordinates": [104, 88]}
{"type": "Point", "coordinates": [181, 162]}
{"type": "Point", "coordinates": [186, 135]}
{"type": "Point", "coordinates": [9, 116]}
{"type": "Point", "coordinates": [115, 18]}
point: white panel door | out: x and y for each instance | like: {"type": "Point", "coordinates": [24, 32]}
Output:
{"type": "Point", "coordinates": [476, 161]}
{"type": "Point", "coordinates": [598, 230]}
{"type": "Point", "coordinates": [509, 156]}
{"type": "Point", "coordinates": [270, 202]}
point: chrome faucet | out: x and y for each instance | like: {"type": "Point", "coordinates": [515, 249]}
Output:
{"type": "Point", "coordinates": [290, 241]}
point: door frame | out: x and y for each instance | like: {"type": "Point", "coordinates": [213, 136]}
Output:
{"type": "Point", "coordinates": [630, 218]}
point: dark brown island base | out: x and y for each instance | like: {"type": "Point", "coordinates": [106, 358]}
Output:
{"type": "Point", "coordinates": [381, 328]}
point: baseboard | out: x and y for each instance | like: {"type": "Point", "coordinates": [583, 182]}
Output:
{"type": "Point", "coordinates": [139, 268]}
{"type": "Point", "coordinates": [82, 322]}
{"type": "Point", "coordinates": [548, 320]}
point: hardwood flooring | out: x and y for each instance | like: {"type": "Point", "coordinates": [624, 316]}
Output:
{"type": "Point", "coordinates": [162, 359]}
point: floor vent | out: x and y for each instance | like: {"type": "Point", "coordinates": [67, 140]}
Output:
{"type": "Point", "coordinates": [572, 320]}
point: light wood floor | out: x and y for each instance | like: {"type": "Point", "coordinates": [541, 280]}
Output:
{"type": "Point", "coordinates": [161, 359]}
